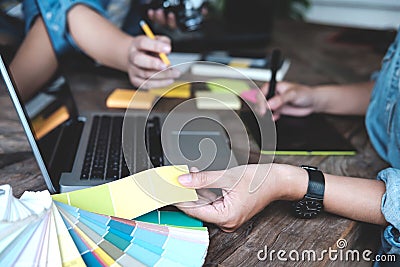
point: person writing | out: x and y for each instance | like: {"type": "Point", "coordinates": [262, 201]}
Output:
{"type": "Point", "coordinates": [92, 27]}
{"type": "Point", "coordinates": [373, 201]}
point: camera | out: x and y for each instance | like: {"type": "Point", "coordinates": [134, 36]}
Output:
{"type": "Point", "coordinates": [187, 12]}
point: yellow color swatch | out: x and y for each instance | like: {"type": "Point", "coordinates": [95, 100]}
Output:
{"type": "Point", "coordinates": [69, 253]}
{"type": "Point", "coordinates": [133, 196]}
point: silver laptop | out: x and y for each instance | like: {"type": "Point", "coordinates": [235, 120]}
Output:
{"type": "Point", "coordinates": [75, 151]}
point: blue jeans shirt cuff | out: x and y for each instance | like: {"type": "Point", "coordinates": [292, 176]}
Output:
{"type": "Point", "coordinates": [390, 208]}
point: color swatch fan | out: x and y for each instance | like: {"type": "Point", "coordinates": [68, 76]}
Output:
{"type": "Point", "coordinates": [37, 231]}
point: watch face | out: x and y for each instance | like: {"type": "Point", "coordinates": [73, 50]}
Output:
{"type": "Point", "coordinates": [308, 208]}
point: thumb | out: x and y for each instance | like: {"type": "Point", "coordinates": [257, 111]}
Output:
{"type": "Point", "coordinates": [278, 101]}
{"type": "Point", "coordinates": [208, 179]}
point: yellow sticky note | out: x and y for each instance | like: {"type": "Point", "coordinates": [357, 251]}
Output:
{"type": "Point", "coordinates": [135, 195]}
{"type": "Point", "coordinates": [217, 100]}
{"type": "Point", "coordinates": [231, 85]}
{"type": "Point", "coordinates": [43, 126]}
{"type": "Point", "coordinates": [123, 98]}
{"type": "Point", "coordinates": [240, 63]}
{"type": "Point", "coordinates": [177, 89]}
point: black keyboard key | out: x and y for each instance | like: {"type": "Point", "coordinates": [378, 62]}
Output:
{"type": "Point", "coordinates": [104, 158]}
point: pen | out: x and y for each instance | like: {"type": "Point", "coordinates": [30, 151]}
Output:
{"type": "Point", "coordinates": [150, 34]}
{"type": "Point", "coordinates": [274, 66]}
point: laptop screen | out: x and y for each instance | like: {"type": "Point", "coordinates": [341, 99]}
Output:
{"type": "Point", "coordinates": [45, 117]}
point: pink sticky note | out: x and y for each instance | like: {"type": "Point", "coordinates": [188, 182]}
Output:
{"type": "Point", "coordinates": [250, 95]}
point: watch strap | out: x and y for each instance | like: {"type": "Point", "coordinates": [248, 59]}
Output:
{"type": "Point", "coordinates": [316, 183]}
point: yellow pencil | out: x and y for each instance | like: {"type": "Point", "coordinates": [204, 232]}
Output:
{"type": "Point", "coordinates": [150, 34]}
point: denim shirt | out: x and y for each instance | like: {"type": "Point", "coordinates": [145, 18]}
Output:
{"type": "Point", "coordinates": [383, 125]}
{"type": "Point", "coordinates": [54, 15]}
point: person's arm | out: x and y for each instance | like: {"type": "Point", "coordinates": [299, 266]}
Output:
{"type": "Point", "coordinates": [105, 43]}
{"type": "Point", "coordinates": [350, 99]}
{"type": "Point", "coordinates": [98, 37]}
{"type": "Point", "coordinates": [35, 61]}
{"type": "Point", "coordinates": [300, 100]}
{"type": "Point", "coordinates": [354, 198]}
{"type": "Point", "coordinates": [351, 197]}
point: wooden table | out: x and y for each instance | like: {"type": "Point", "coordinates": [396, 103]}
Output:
{"type": "Point", "coordinates": [315, 60]}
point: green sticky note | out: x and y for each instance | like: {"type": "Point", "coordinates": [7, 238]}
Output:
{"type": "Point", "coordinates": [95, 199]}
{"type": "Point", "coordinates": [173, 218]}
{"type": "Point", "coordinates": [228, 85]}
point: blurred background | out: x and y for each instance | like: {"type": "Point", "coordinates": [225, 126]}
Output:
{"type": "Point", "coordinates": [249, 25]}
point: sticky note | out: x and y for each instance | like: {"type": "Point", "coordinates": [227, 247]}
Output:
{"type": "Point", "coordinates": [122, 98]}
{"type": "Point", "coordinates": [217, 100]}
{"type": "Point", "coordinates": [178, 89]}
{"type": "Point", "coordinates": [240, 63]}
{"type": "Point", "coordinates": [143, 99]}
{"type": "Point", "coordinates": [42, 125]}
{"type": "Point", "coordinates": [133, 196]}
{"type": "Point", "coordinates": [250, 95]}
{"type": "Point", "coordinates": [230, 85]}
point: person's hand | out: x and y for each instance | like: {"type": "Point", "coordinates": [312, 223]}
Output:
{"type": "Point", "coordinates": [158, 16]}
{"type": "Point", "coordinates": [144, 62]}
{"type": "Point", "coordinates": [290, 99]}
{"type": "Point", "coordinates": [240, 201]}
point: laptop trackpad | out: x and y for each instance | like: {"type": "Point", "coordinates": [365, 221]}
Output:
{"type": "Point", "coordinates": [196, 147]}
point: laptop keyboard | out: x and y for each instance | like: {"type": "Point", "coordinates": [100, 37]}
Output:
{"type": "Point", "coordinates": [104, 159]}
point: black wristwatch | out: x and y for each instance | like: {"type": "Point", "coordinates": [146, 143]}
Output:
{"type": "Point", "coordinates": [312, 203]}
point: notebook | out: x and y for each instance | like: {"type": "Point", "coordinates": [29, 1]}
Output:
{"type": "Point", "coordinates": [216, 65]}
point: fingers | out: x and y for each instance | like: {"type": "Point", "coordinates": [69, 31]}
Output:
{"type": "Point", "coordinates": [144, 62]}
{"type": "Point", "coordinates": [209, 179]}
{"type": "Point", "coordinates": [261, 105]}
{"type": "Point", "coordinates": [275, 102]}
{"type": "Point", "coordinates": [207, 195]}
{"type": "Point", "coordinates": [158, 16]}
{"type": "Point", "coordinates": [144, 43]}
{"type": "Point", "coordinates": [171, 21]}
{"type": "Point", "coordinates": [144, 70]}
{"type": "Point", "coordinates": [143, 46]}
{"type": "Point", "coordinates": [285, 94]}
{"type": "Point", "coordinates": [213, 213]}
{"type": "Point", "coordinates": [151, 79]}
{"type": "Point", "coordinates": [163, 39]}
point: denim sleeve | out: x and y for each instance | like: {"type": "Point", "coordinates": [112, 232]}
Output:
{"type": "Point", "coordinates": [391, 210]}
{"type": "Point", "coordinates": [54, 15]}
